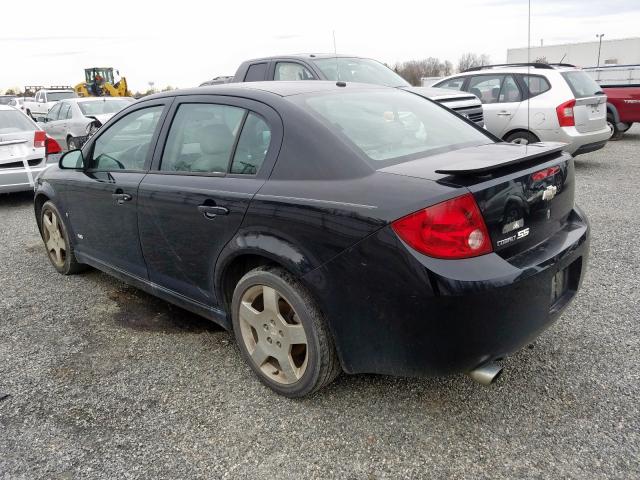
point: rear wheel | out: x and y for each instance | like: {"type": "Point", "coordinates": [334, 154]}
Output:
{"type": "Point", "coordinates": [616, 133]}
{"type": "Point", "coordinates": [56, 241]}
{"type": "Point", "coordinates": [625, 126]}
{"type": "Point", "coordinates": [282, 334]}
{"type": "Point", "coordinates": [522, 137]}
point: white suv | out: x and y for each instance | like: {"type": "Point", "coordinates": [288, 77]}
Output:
{"type": "Point", "coordinates": [526, 103]}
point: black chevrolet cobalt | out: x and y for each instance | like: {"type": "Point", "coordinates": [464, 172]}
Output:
{"type": "Point", "coordinates": [332, 227]}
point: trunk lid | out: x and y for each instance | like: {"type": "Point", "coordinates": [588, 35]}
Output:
{"type": "Point", "coordinates": [525, 192]}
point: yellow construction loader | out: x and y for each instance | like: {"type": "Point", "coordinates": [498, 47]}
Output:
{"type": "Point", "coordinates": [99, 82]}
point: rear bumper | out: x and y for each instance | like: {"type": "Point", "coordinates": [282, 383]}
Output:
{"type": "Point", "coordinates": [408, 314]}
{"type": "Point", "coordinates": [577, 142]}
{"type": "Point", "coordinates": [17, 179]}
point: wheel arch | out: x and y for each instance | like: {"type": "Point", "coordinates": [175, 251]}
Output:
{"type": "Point", "coordinates": [519, 130]}
{"type": "Point", "coordinates": [611, 108]}
{"type": "Point", "coordinates": [40, 199]}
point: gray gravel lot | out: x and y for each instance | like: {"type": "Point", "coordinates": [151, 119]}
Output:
{"type": "Point", "coordinates": [107, 382]}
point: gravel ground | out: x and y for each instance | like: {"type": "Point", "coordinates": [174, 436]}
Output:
{"type": "Point", "coordinates": [104, 381]}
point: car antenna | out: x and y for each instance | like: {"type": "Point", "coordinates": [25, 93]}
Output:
{"type": "Point", "coordinates": [562, 58]}
{"type": "Point", "coordinates": [335, 54]}
{"type": "Point", "coordinates": [528, 82]}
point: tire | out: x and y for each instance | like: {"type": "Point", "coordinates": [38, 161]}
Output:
{"type": "Point", "coordinates": [71, 143]}
{"type": "Point", "coordinates": [616, 133]}
{"type": "Point", "coordinates": [626, 126]}
{"type": "Point", "coordinates": [272, 344]}
{"type": "Point", "coordinates": [59, 248]}
{"type": "Point", "coordinates": [521, 137]}
{"type": "Point", "coordinates": [30, 116]}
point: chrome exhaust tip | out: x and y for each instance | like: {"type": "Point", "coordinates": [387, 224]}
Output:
{"type": "Point", "coordinates": [486, 374]}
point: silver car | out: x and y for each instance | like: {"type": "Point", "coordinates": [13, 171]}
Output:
{"type": "Point", "coordinates": [22, 150]}
{"type": "Point", "coordinates": [71, 121]}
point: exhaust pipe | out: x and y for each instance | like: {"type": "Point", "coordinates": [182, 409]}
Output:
{"type": "Point", "coordinates": [487, 373]}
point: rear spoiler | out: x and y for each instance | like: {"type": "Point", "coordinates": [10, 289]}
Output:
{"type": "Point", "coordinates": [476, 164]}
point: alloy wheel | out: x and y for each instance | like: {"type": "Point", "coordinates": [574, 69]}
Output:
{"type": "Point", "coordinates": [273, 334]}
{"type": "Point", "coordinates": [520, 140]}
{"type": "Point", "coordinates": [54, 238]}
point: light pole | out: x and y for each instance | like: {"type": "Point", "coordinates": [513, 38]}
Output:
{"type": "Point", "coordinates": [599, 46]}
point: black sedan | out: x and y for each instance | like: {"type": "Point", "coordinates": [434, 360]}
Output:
{"type": "Point", "coordinates": [333, 227]}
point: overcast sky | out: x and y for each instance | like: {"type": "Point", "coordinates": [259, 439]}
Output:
{"type": "Point", "coordinates": [184, 43]}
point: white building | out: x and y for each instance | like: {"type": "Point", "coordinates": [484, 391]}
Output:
{"type": "Point", "coordinates": [625, 51]}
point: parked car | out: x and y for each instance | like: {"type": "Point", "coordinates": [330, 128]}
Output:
{"type": "Point", "coordinates": [360, 240]}
{"type": "Point", "coordinates": [351, 69]}
{"type": "Point", "coordinates": [6, 99]}
{"type": "Point", "coordinates": [45, 99]}
{"type": "Point", "coordinates": [18, 102]}
{"type": "Point", "coordinates": [621, 84]}
{"type": "Point", "coordinates": [526, 103]}
{"type": "Point", "coordinates": [73, 120]}
{"type": "Point", "coordinates": [23, 150]}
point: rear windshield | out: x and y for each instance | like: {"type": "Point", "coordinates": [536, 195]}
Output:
{"type": "Point", "coordinates": [12, 121]}
{"type": "Point", "coordinates": [581, 84]}
{"type": "Point", "coordinates": [102, 107]}
{"type": "Point", "coordinates": [55, 96]}
{"type": "Point", "coordinates": [363, 70]}
{"type": "Point", "coordinates": [5, 100]}
{"type": "Point", "coordinates": [393, 126]}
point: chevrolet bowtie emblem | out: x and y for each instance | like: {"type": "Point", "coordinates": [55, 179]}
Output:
{"type": "Point", "coordinates": [549, 192]}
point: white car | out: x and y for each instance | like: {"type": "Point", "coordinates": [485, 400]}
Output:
{"type": "Point", "coordinates": [45, 99]}
{"type": "Point", "coordinates": [72, 121]}
{"type": "Point", "coordinates": [527, 103]}
{"type": "Point", "coordinates": [18, 102]}
{"type": "Point", "coordinates": [23, 150]}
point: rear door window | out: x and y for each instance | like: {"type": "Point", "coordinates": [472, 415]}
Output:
{"type": "Point", "coordinates": [54, 113]}
{"type": "Point", "coordinates": [202, 138]}
{"type": "Point", "coordinates": [581, 84]}
{"type": "Point", "coordinates": [256, 72]}
{"type": "Point", "coordinates": [252, 147]}
{"type": "Point", "coordinates": [292, 71]}
{"type": "Point", "coordinates": [486, 87]}
{"type": "Point", "coordinates": [65, 111]}
{"type": "Point", "coordinates": [536, 84]}
{"type": "Point", "coordinates": [509, 92]}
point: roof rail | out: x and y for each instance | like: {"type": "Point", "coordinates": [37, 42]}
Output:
{"type": "Point", "coordinates": [562, 65]}
{"type": "Point", "coordinates": [533, 64]}
{"type": "Point", "coordinates": [60, 87]}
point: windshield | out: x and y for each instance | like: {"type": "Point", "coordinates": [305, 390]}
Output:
{"type": "Point", "coordinates": [392, 126]}
{"type": "Point", "coordinates": [362, 70]}
{"type": "Point", "coordinates": [12, 121]}
{"type": "Point", "coordinates": [102, 107]}
{"type": "Point", "coordinates": [55, 96]}
{"type": "Point", "coordinates": [581, 84]}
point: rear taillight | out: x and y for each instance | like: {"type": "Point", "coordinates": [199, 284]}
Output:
{"type": "Point", "coordinates": [565, 114]}
{"type": "Point", "coordinates": [38, 138]}
{"type": "Point", "coordinates": [451, 229]}
{"type": "Point", "coordinates": [542, 174]}
{"type": "Point", "coordinates": [51, 146]}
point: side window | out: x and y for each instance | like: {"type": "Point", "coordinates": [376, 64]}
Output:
{"type": "Point", "coordinates": [292, 71]}
{"type": "Point", "coordinates": [256, 72]}
{"type": "Point", "coordinates": [53, 114]}
{"type": "Point", "coordinates": [252, 146]}
{"type": "Point", "coordinates": [201, 138]}
{"type": "Point", "coordinates": [38, 96]}
{"type": "Point", "coordinates": [125, 145]}
{"type": "Point", "coordinates": [64, 111]}
{"type": "Point", "coordinates": [452, 83]}
{"type": "Point", "coordinates": [486, 87]}
{"type": "Point", "coordinates": [536, 84]}
{"type": "Point", "coordinates": [509, 91]}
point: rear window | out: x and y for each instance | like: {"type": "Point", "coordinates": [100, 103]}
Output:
{"type": "Point", "coordinates": [581, 84]}
{"type": "Point", "coordinates": [55, 96]}
{"type": "Point", "coordinates": [393, 126]}
{"type": "Point", "coordinates": [102, 107]}
{"type": "Point", "coordinates": [14, 121]}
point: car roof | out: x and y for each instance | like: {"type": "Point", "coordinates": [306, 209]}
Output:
{"type": "Point", "coordinates": [280, 88]}
{"type": "Point", "coordinates": [93, 99]}
{"type": "Point", "coordinates": [303, 56]}
{"type": "Point", "coordinates": [8, 107]}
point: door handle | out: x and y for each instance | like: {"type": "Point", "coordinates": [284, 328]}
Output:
{"type": "Point", "coordinates": [212, 211]}
{"type": "Point", "coordinates": [120, 198]}
{"type": "Point", "coordinates": [503, 114]}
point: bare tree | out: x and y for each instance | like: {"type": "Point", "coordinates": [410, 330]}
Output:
{"type": "Point", "coordinates": [470, 60]}
{"type": "Point", "coordinates": [413, 70]}
{"type": "Point", "coordinates": [541, 60]}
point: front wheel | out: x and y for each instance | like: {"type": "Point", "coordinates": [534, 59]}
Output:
{"type": "Point", "coordinates": [522, 138]}
{"type": "Point", "coordinates": [56, 241]}
{"type": "Point", "coordinates": [282, 334]}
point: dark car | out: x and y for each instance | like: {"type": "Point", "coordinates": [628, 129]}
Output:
{"type": "Point", "coordinates": [332, 227]}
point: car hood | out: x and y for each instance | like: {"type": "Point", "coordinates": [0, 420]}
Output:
{"type": "Point", "coordinates": [439, 93]}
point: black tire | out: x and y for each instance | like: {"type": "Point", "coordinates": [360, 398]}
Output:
{"type": "Point", "coordinates": [625, 126]}
{"type": "Point", "coordinates": [30, 116]}
{"type": "Point", "coordinates": [322, 365]}
{"type": "Point", "coordinates": [616, 132]}
{"type": "Point", "coordinates": [69, 264]}
{"type": "Point", "coordinates": [71, 143]}
{"type": "Point", "coordinates": [521, 137]}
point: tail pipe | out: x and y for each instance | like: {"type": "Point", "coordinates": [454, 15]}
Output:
{"type": "Point", "coordinates": [486, 374]}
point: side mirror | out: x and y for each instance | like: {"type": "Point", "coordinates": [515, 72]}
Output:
{"type": "Point", "coordinates": [73, 160]}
